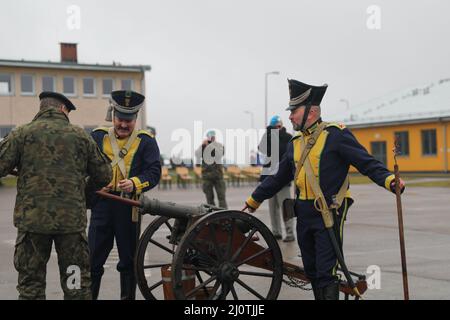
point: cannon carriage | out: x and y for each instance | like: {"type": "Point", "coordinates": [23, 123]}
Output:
{"type": "Point", "coordinates": [205, 252]}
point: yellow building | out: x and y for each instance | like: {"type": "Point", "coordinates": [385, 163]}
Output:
{"type": "Point", "coordinates": [420, 119]}
{"type": "Point", "coordinates": [88, 86]}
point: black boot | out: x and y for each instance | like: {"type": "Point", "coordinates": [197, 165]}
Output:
{"type": "Point", "coordinates": [127, 286]}
{"type": "Point", "coordinates": [317, 292]}
{"type": "Point", "coordinates": [331, 292]}
{"type": "Point", "coordinates": [95, 286]}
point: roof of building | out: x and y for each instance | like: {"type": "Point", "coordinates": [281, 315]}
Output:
{"type": "Point", "coordinates": [117, 67]}
{"type": "Point", "coordinates": [416, 104]}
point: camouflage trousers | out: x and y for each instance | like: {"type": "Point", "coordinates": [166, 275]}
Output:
{"type": "Point", "coordinates": [208, 188]}
{"type": "Point", "coordinates": [32, 253]}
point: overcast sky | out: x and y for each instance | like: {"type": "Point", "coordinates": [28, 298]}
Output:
{"type": "Point", "coordinates": [209, 57]}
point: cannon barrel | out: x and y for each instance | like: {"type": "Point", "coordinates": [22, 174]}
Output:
{"type": "Point", "coordinates": [170, 209]}
{"type": "Point", "coordinates": [160, 208]}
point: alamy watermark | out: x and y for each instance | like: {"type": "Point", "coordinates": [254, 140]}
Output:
{"type": "Point", "coordinates": [73, 21]}
{"type": "Point", "coordinates": [74, 279]}
{"type": "Point", "coordinates": [374, 19]}
{"type": "Point", "coordinates": [374, 277]}
{"type": "Point", "coordinates": [235, 145]}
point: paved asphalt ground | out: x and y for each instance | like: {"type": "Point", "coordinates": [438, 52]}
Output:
{"type": "Point", "coordinates": [371, 238]}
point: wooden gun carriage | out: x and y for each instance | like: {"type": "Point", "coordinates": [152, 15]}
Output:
{"type": "Point", "coordinates": [206, 252]}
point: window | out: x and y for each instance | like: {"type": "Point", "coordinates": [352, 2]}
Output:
{"type": "Point", "coordinates": [6, 84]}
{"type": "Point", "coordinates": [403, 141]}
{"type": "Point", "coordinates": [89, 87]}
{"type": "Point", "coordinates": [5, 130]}
{"type": "Point", "coordinates": [127, 84]}
{"type": "Point", "coordinates": [48, 83]}
{"type": "Point", "coordinates": [108, 86]}
{"type": "Point", "coordinates": [69, 86]}
{"type": "Point", "coordinates": [378, 150]}
{"type": "Point", "coordinates": [27, 84]}
{"type": "Point", "coordinates": [429, 147]}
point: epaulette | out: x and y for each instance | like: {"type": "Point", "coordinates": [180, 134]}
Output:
{"type": "Point", "coordinates": [146, 133]}
{"type": "Point", "coordinates": [105, 129]}
{"type": "Point", "coordinates": [337, 125]}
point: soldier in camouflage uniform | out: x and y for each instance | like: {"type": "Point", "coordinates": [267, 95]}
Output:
{"type": "Point", "coordinates": [211, 153]}
{"type": "Point", "coordinates": [53, 159]}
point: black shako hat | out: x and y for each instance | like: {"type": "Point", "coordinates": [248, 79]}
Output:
{"type": "Point", "coordinates": [58, 96]}
{"type": "Point", "coordinates": [125, 103]}
{"type": "Point", "coordinates": [302, 94]}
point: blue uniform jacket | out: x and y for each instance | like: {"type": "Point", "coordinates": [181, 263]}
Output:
{"type": "Point", "coordinates": [142, 161]}
{"type": "Point", "coordinates": [335, 150]}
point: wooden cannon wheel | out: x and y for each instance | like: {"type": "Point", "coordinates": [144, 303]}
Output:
{"type": "Point", "coordinates": [154, 242]}
{"type": "Point", "coordinates": [218, 249]}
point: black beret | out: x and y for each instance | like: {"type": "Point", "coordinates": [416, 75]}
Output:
{"type": "Point", "coordinates": [58, 96]}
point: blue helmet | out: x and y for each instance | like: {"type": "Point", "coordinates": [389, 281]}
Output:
{"type": "Point", "coordinates": [274, 121]}
{"type": "Point", "coordinates": [211, 133]}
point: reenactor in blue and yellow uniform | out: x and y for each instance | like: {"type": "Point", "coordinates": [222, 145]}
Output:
{"type": "Point", "coordinates": [136, 169]}
{"type": "Point", "coordinates": [332, 149]}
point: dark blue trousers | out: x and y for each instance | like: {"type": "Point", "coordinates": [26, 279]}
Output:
{"type": "Point", "coordinates": [319, 258]}
{"type": "Point", "coordinates": [109, 220]}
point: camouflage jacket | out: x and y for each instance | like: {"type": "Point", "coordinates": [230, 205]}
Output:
{"type": "Point", "coordinates": [211, 156]}
{"type": "Point", "coordinates": [54, 159]}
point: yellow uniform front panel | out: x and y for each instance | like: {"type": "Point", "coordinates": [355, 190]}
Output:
{"type": "Point", "coordinates": [107, 149]}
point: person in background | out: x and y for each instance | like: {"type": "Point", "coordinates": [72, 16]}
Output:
{"type": "Point", "coordinates": [211, 154]}
{"type": "Point", "coordinates": [276, 135]}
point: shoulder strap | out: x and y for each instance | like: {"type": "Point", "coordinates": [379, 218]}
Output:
{"type": "Point", "coordinates": [306, 149]}
{"type": "Point", "coordinates": [337, 202]}
{"type": "Point", "coordinates": [320, 202]}
{"type": "Point", "coordinates": [119, 155]}
{"type": "Point", "coordinates": [130, 141]}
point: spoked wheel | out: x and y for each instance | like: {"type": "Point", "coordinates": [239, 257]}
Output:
{"type": "Point", "coordinates": [154, 253]}
{"type": "Point", "coordinates": [218, 249]}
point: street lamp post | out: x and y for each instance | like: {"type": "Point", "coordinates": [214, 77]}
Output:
{"type": "Point", "coordinates": [267, 74]}
{"type": "Point", "coordinates": [252, 123]}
